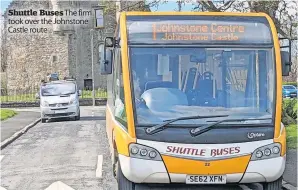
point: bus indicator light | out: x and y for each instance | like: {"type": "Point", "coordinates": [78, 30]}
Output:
{"type": "Point", "coordinates": [152, 154]}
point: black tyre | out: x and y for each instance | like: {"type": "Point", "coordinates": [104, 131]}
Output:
{"type": "Point", "coordinates": [78, 117]}
{"type": "Point", "coordinates": [123, 183]}
{"type": "Point", "coordinates": [43, 120]}
{"type": "Point", "coordinates": [275, 185]}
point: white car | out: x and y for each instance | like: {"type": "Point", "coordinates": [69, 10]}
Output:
{"type": "Point", "coordinates": [59, 99]}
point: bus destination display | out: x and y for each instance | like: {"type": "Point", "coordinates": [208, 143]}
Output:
{"type": "Point", "coordinates": [202, 31]}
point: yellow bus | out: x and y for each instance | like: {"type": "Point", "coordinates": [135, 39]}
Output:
{"type": "Point", "coordinates": [195, 98]}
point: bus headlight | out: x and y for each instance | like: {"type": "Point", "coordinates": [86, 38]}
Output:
{"type": "Point", "coordinates": [276, 150]}
{"type": "Point", "coordinates": [143, 152]}
{"type": "Point", "coordinates": [259, 154]}
{"type": "Point", "coordinates": [266, 152]}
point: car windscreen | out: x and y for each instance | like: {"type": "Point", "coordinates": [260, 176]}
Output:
{"type": "Point", "coordinates": [289, 87]}
{"type": "Point", "coordinates": [58, 89]}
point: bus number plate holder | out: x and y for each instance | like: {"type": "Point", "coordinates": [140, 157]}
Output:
{"type": "Point", "coordinates": [206, 179]}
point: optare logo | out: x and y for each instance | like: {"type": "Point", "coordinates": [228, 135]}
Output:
{"type": "Point", "coordinates": [255, 135]}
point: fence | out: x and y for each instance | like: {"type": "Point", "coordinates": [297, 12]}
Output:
{"type": "Point", "coordinates": [29, 95]}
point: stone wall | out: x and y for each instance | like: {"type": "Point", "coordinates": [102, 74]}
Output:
{"type": "Point", "coordinates": [30, 57]}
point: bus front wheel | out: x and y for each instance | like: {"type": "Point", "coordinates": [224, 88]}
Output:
{"type": "Point", "coordinates": [123, 183]}
{"type": "Point", "coordinates": [275, 185]}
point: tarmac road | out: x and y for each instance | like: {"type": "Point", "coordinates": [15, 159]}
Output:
{"type": "Point", "coordinates": [65, 151]}
{"type": "Point", "coordinates": [71, 154]}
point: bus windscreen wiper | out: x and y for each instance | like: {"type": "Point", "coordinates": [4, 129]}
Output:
{"type": "Point", "coordinates": [162, 126]}
{"type": "Point", "coordinates": [203, 129]}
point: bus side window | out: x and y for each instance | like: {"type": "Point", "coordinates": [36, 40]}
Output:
{"type": "Point", "coordinates": [120, 112]}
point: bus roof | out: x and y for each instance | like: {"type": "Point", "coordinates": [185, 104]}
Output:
{"type": "Point", "coordinates": [169, 13]}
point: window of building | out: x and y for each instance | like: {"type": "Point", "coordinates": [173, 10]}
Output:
{"type": "Point", "coordinates": [55, 58]}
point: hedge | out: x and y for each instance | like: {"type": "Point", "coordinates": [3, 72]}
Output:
{"type": "Point", "coordinates": [290, 83]}
{"type": "Point", "coordinates": [289, 111]}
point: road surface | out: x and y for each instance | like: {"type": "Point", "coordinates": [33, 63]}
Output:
{"type": "Point", "coordinates": [69, 154]}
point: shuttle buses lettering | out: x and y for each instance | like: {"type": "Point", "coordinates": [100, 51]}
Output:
{"type": "Point", "coordinates": [196, 32]}
{"type": "Point", "coordinates": [202, 152]}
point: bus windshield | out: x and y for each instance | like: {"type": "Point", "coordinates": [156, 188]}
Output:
{"type": "Point", "coordinates": [172, 82]}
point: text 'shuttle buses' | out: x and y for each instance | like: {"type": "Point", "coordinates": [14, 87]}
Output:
{"type": "Point", "coordinates": [195, 98]}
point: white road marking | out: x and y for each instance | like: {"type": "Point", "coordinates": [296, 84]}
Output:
{"type": "Point", "coordinates": [92, 113]}
{"type": "Point", "coordinates": [2, 188]}
{"type": "Point", "coordinates": [99, 166]}
{"type": "Point", "coordinates": [58, 185]}
{"type": "Point", "coordinates": [1, 157]}
{"type": "Point", "coordinates": [288, 186]}
{"type": "Point", "coordinates": [244, 187]}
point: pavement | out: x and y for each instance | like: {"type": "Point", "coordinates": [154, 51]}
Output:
{"type": "Point", "coordinates": [18, 122]}
{"type": "Point", "coordinates": [290, 175]}
{"type": "Point", "coordinates": [74, 155]}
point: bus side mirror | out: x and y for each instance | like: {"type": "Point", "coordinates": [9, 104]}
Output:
{"type": "Point", "coordinates": [106, 62]}
{"type": "Point", "coordinates": [286, 63]}
{"type": "Point", "coordinates": [106, 56]}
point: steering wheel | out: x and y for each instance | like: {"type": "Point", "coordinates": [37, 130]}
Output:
{"type": "Point", "coordinates": [207, 75]}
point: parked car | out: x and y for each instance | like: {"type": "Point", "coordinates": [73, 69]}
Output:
{"type": "Point", "coordinates": [59, 99]}
{"type": "Point", "coordinates": [289, 91]}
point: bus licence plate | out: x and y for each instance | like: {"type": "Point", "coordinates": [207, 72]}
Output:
{"type": "Point", "coordinates": [206, 179]}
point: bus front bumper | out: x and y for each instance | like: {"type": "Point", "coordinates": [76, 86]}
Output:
{"type": "Point", "coordinates": [149, 171]}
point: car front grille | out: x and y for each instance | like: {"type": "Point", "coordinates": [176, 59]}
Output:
{"type": "Point", "coordinates": [60, 114]}
{"type": "Point", "coordinates": [59, 105]}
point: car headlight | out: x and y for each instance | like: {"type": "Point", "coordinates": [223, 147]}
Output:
{"type": "Point", "coordinates": [45, 103]}
{"type": "Point", "coordinates": [73, 101]}
{"type": "Point", "coordinates": [143, 152]}
{"type": "Point", "coordinates": [266, 152]}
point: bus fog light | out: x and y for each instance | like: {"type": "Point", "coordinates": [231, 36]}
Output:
{"type": "Point", "coordinates": [134, 150]}
{"type": "Point", "coordinates": [275, 150]}
{"type": "Point", "coordinates": [267, 152]}
{"type": "Point", "coordinates": [259, 154]}
{"type": "Point", "coordinates": [152, 154]}
{"type": "Point", "coordinates": [143, 152]}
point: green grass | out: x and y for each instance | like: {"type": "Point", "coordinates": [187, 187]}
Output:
{"type": "Point", "coordinates": [6, 113]}
{"type": "Point", "coordinates": [292, 136]}
{"type": "Point", "coordinates": [31, 97]}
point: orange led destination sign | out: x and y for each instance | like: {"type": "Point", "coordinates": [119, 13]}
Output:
{"type": "Point", "coordinates": [197, 32]}
{"type": "Point", "coordinates": [212, 31]}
